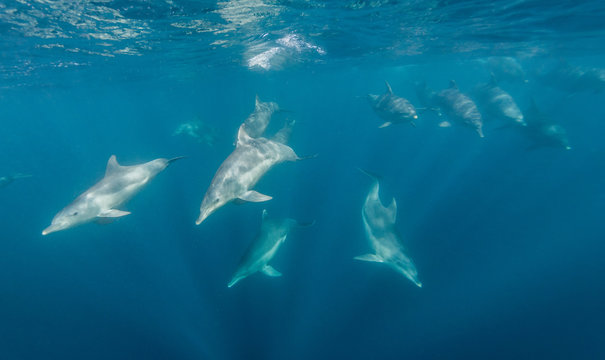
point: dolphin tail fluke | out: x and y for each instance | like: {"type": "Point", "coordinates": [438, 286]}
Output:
{"type": "Point", "coordinates": [369, 257]}
{"type": "Point", "coordinates": [170, 161]}
{"type": "Point", "coordinates": [270, 271]}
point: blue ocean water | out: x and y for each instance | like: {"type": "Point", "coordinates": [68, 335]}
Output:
{"type": "Point", "coordinates": [506, 234]}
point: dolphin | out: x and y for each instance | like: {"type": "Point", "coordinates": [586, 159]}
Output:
{"type": "Point", "coordinates": [499, 104]}
{"type": "Point", "coordinates": [392, 108]}
{"type": "Point", "coordinates": [543, 131]}
{"type": "Point", "coordinates": [257, 122]}
{"type": "Point", "coordinates": [8, 179]}
{"type": "Point", "coordinates": [573, 79]}
{"type": "Point", "coordinates": [506, 68]}
{"type": "Point", "coordinates": [204, 133]}
{"type": "Point", "coordinates": [379, 224]}
{"type": "Point", "coordinates": [101, 201]}
{"type": "Point", "coordinates": [243, 168]}
{"type": "Point", "coordinates": [272, 234]}
{"type": "Point", "coordinates": [459, 107]}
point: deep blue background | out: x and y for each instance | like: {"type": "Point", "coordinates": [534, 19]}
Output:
{"type": "Point", "coordinates": [508, 242]}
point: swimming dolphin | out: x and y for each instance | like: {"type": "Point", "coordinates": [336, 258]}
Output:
{"type": "Point", "coordinates": [273, 233]}
{"type": "Point", "coordinates": [505, 68]}
{"type": "Point", "coordinates": [573, 79]}
{"type": "Point", "coordinates": [199, 130]}
{"type": "Point", "coordinates": [392, 108]}
{"type": "Point", "coordinates": [8, 179]}
{"type": "Point", "coordinates": [543, 131]}
{"type": "Point", "coordinates": [379, 223]}
{"type": "Point", "coordinates": [242, 169]}
{"type": "Point", "coordinates": [459, 107]}
{"type": "Point", "coordinates": [499, 104]}
{"type": "Point", "coordinates": [102, 200]}
{"type": "Point", "coordinates": [257, 122]}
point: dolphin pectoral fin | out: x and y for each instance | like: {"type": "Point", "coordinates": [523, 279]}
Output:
{"type": "Point", "coordinates": [254, 196]}
{"type": "Point", "coordinates": [386, 124]}
{"type": "Point", "coordinates": [369, 257]}
{"type": "Point", "coordinates": [270, 271]}
{"type": "Point", "coordinates": [113, 213]}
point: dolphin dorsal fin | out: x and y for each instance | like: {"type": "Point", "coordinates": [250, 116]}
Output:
{"type": "Point", "coordinates": [453, 84]}
{"type": "Point", "coordinates": [112, 165]}
{"type": "Point", "coordinates": [392, 209]}
{"type": "Point", "coordinates": [389, 90]}
{"type": "Point", "coordinates": [242, 136]}
{"type": "Point", "coordinates": [257, 102]}
{"type": "Point", "coordinates": [492, 79]}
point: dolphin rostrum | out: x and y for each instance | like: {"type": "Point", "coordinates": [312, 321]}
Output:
{"type": "Point", "coordinates": [102, 200]}
{"type": "Point", "coordinates": [272, 234]}
{"type": "Point", "coordinates": [379, 223]}
{"type": "Point", "coordinates": [243, 168]}
{"type": "Point", "coordinates": [459, 107]}
{"type": "Point", "coordinates": [392, 108]}
{"type": "Point", "coordinates": [257, 122]}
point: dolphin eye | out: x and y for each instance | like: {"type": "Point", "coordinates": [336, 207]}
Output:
{"type": "Point", "coordinates": [74, 213]}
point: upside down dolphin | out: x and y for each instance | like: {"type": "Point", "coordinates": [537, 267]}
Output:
{"type": "Point", "coordinates": [243, 168]}
{"type": "Point", "coordinates": [273, 233]}
{"type": "Point", "coordinates": [379, 224]}
{"type": "Point", "coordinates": [102, 200]}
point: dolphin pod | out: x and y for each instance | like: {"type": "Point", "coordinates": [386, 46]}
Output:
{"type": "Point", "coordinates": [102, 201]}
{"type": "Point", "coordinates": [379, 223]}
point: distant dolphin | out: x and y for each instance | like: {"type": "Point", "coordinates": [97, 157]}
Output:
{"type": "Point", "coordinates": [199, 130]}
{"type": "Point", "coordinates": [257, 122]}
{"type": "Point", "coordinates": [573, 79]}
{"type": "Point", "coordinates": [242, 169]}
{"type": "Point", "coordinates": [101, 201]}
{"type": "Point", "coordinates": [499, 104]}
{"type": "Point", "coordinates": [8, 179]}
{"type": "Point", "coordinates": [506, 68]}
{"type": "Point", "coordinates": [459, 107]}
{"type": "Point", "coordinates": [544, 132]}
{"type": "Point", "coordinates": [273, 233]}
{"type": "Point", "coordinates": [379, 223]}
{"type": "Point", "coordinates": [392, 108]}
